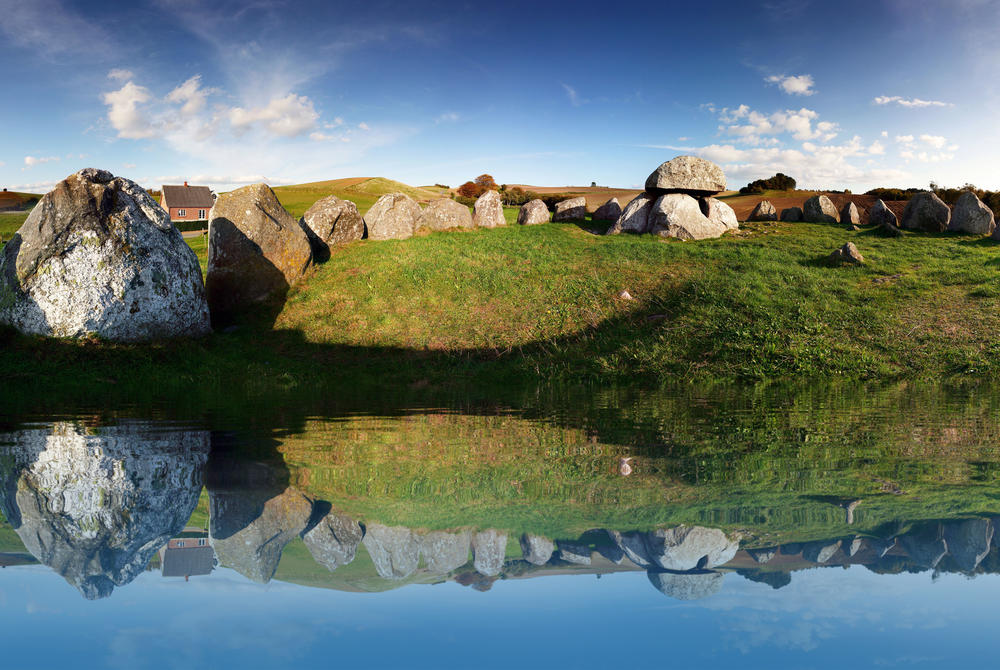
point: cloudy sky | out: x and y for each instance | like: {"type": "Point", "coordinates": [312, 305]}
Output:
{"type": "Point", "coordinates": [838, 95]}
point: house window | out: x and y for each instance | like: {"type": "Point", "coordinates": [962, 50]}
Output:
{"type": "Point", "coordinates": [201, 214]}
{"type": "Point", "coordinates": [202, 542]}
{"type": "Point", "coordinates": [182, 212]}
{"type": "Point", "coordinates": [180, 543]}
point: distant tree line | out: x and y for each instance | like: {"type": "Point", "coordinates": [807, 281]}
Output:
{"type": "Point", "coordinates": [779, 182]}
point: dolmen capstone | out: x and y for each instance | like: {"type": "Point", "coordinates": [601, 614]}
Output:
{"type": "Point", "coordinates": [819, 209]}
{"type": "Point", "coordinates": [609, 211]}
{"type": "Point", "coordinates": [927, 212]}
{"type": "Point", "coordinates": [256, 251]}
{"type": "Point", "coordinates": [676, 202]}
{"type": "Point", "coordinates": [573, 209]}
{"type": "Point", "coordinates": [765, 211]}
{"type": "Point", "coordinates": [444, 214]}
{"type": "Point", "coordinates": [791, 214]}
{"type": "Point", "coordinates": [98, 256]}
{"type": "Point", "coordinates": [532, 213]}
{"type": "Point", "coordinates": [392, 217]}
{"type": "Point", "coordinates": [972, 216]}
{"type": "Point", "coordinates": [489, 211]}
{"type": "Point", "coordinates": [329, 222]}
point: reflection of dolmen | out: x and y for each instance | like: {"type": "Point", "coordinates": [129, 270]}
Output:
{"type": "Point", "coordinates": [692, 585]}
{"type": "Point", "coordinates": [96, 505]}
{"type": "Point", "coordinates": [187, 556]}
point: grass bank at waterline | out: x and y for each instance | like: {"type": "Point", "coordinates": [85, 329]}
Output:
{"type": "Point", "coordinates": [542, 303]}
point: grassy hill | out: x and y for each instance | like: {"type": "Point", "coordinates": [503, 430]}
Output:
{"type": "Point", "coordinates": [362, 191]}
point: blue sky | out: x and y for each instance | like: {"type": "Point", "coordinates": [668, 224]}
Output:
{"type": "Point", "coordinates": [837, 95]}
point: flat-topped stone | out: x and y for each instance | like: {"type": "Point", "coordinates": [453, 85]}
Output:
{"type": "Point", "coordinates": [687, 174]}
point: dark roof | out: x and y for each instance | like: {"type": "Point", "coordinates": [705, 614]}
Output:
{"type": "Point", "coordinates": [188, 561]}
{"type": "Point", "coordinates": [194, 197]}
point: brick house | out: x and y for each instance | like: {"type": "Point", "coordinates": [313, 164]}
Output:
{"type": "Point", "coordinates": [187, 203]}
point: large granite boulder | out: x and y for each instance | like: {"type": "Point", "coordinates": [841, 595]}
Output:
{"type": "Point", "coordinates": [687, 174]}
{"type": "Point", "coordinates": [95, 504]}
{"type": "Point", "coordinates": [690, 548]}
{"type": "Point", "coordinates": [968, 542]}
{"type": "Point", "coordinates": [489, 211]}
{"type": "Point", "coordinates": [880, 215]}
{"type": "Point", "coordinates": [329, 222]}
{"type": "Point", "coordinates": [819, 209]}
{"type": "Point", "coordinates": [574, 209]}
{"type": "Point", "coordinates": [926, 546]}
{"type": "Point", "coordinates": [972, 216]}
{"type": "Point", "coordinates": [635, 217]}
{"type": "Point", "coordinates": [687, 585]}
{"type": "Point", "coordinates": [394, 550]}
{"type": "Point", "coordinates": [334, 541]}
{"type": "Point", "coordinates": [489, 548]}
{"type": "Point", "coordinates": [678, 215]}
{"type": "Point", "coordinates": [256, 251]}
{"type": "Point", "coordinates": [536, 549]}
{"type": "Point", "coordinates": [445, 214]}
{"type": "Point", "coordinates": [574, 552]}
{"type": "Point", "coordinates": [849, 215]}
{"type": "Point", "coordinates": [764, 211]}
{"type": "Point", "coordinates": [927, 212]}
{"type": "Point", "coordinates": [532, 213]}
{"type": "Point", "coordinates": [719, 212]}
{"type": "Point", "coordinates": [791, 214]}
{"type": "Point", "coordinates": [609, 211]}
{"type": "Point", "coordinates": [98, 256]}
{"type": "Point", "coordinates": [444, 552]}
{"type": "Point", "coordinates": [392, 217]}
{"type": "Point", "coordinates": [633, 545]}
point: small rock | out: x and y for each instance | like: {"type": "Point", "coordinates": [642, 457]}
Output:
{"type": "Point", "coordinates": [819, 209]}
{"type": "Point", "coordinates": [847, 254]}
{"type": "Point", "coordinates": [764, 211]}
{"type": "Point", "coordinates": [392, 217]}
{"type": "Point", "coordinates": [792, 214]}
{"type": "Point", "coordinates": [574, 209]}
{"type": "Point", "coordinates": [532, 213]}
{"type": "Point", "coordinates": [489, 211]}
{"type": "Point", "coordinates": [609, 211]}
{"type": "Point", "coordinates": [927, 212]}
{"type": "Point", "coordinates": [625, 295]}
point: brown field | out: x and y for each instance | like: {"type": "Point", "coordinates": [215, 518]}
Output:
{"type": "Point", "coordinates": [744, 204]}
{"type": "Point", "coordinates": [595, 195]}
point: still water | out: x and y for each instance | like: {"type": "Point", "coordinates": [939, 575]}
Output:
{"type": "Point", "coordinates": [691, 528]}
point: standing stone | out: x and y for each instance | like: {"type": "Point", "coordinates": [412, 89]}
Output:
{"type": "Point", "coordinates": [334, 541]}
{"type": "Point", "coordinates": [880, 215]}
{"type": "Point", "coordinates": [536, 549]}
{"type": "Point", "coordinates": [926, 546]}
{"type": "Point", "coordinates": [611, 552]}
{"type": "Point", "coordinates": [972, 216]}
{"type": "Point", "coordinates": [256, 251]}
{"type": "Point", "coordinates": [444, 214]}
{"type": "Point", "coordinates": [849, 215]}
{"type": "Point", "coordinates": [574, 209]}
{"type": "Point", "coordinates": [332, 221]}
{"type": "Point", "coordinates": [489, 549]}
{"type": "Point", "coordinates": [819, 209]}
{"type": "Point", "coordinates": [792, 214]}
{"type": "Point", "coordinates": [764, 211]}
{"type": "Point", "coordinates": [574, 552]}
{"type": "Point", "coordinates": [678, 215]}
{"type": "Point", "coordinates": [444, 552]}
{"type": "Point", "coordinates": [687, 174]}
{"type": "Point", "coordinates": [489, 211]}
{"type": "Point", "coordinates": [395, 550]}
{"type": "Point", "coordinates": [719, 212]}
{"type": "Point", "coordinates": [98, 256]}
{"type": "Point", "coordinates": [392, 217]}
{"type": "Point", "coordinates": [532, 213]}
{"type": "Point", "coordinates": [635, 218]}
{"type": "Point", "coordinates": [633, 545]}
{"type": "Point", "coordinates": [927, 212]}
{"type": "Point", "coordinates": [609, 211]}
{"type": "Point", "coordinates": [847, 254]}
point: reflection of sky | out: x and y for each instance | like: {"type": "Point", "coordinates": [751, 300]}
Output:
{"type": "Point", "coordinates": [825, 618]}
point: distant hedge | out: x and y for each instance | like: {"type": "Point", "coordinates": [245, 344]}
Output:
{"type": "Point", "coordinates": [187, 226]}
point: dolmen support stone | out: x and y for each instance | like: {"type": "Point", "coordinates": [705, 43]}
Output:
{"type": "Point", "coordinates": [99, 257]}
{"type": "Point", "coordinates": [329, 222]}
{"type": "Point", "coordinates": [819, 209]}
{"type": "Point", "coordinates": [678, 215]}
{"type": "Point", "coordinates": [635, 217]}
{"type": "Point", "coordinates": [444, 214]}
{"type": "Point", "coordinates": [764, 211]}
{"type": "Point", "coordinates": [573, 209]}
{"type": "Point", "coordinates": [392, 217]}
{"type": "Point", "coordinates": [609, 211]}
{"type": "Point", "coordinates": [256, 252]}
{"type": "Point", "coordinates": [532, 213]}
{"type": "Point", "coordinates": [972, 216]}
{"type": "Point", "coordinates": [927, 212]}
{"type": "Point", "coordinates": [489, 211]}
{"type": "Point", "coordinates": [719, 212]}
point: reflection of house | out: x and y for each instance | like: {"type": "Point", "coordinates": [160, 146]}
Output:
{"type": "Point", "coordinates": [189, 555]}
{"type": "Point", "coordinates": [187, 203]}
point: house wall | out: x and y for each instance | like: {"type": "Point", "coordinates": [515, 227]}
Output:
{"type": "Point", "coordinates": [189, 214]}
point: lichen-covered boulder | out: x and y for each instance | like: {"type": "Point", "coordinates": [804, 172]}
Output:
{"type": "Point", "coordinates": [609, 211]}
{"type": "Point", "coordinates": [532, 213]}
{"type": "Point", "coordinates": [635, 218]}
{"type": "Point", "coordinates": [687, 585]}
{"type": "Point", "coordinates": [678, 215]}
{"type": "Point", "coordinates": [927, 212]}
{"type": "Point", "coordinates": [392, 217]}
{"type": "Point", "coordinates": [334, 541]}
{"type": "Point", "coordinates": [972, 216]}
{"type": "Point", "coordinates": [332, 221]}
{"type": "Point", "coordinates": [489, 211]}
{"type": "Point", "coordinates": [687, 174]}
{"type": "Point", "coordinates": [764, 211]}
{"type": "Point", "coordinates": [395, 550]}
{"type": "Point", "coordinates": [791, 214]}
{"type": "Point", "coordinates": [256, 251]}
{"type": "Point", "coordinates": [819, 209]}
{"type": "Point", "coordinates": [849, 215]}
{"type": "Point", "coordinates": [719, 212]}
{"type": "Point", "coordinates": [444, 552]}
{"type": "Point", "coordinates": [489, 548]}
{"type": "Point", "coordinates": [573, 209]}
{"type": "Point", "coordinates": [98, 256]}
{"type": "Point", "coordinates": [444, 214]}
{"type": "Point", "coordinates": [536, 549]}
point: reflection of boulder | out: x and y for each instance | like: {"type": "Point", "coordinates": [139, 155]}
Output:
{"type": "Point", "coordinates": [820, 551]}
{"type": "Point", "coordinates": [394, 550]}
{"type": "Point", "coordinates": [776, 579]}
{"type": "Point", "coordinates": [690, 547]}
{"type": "Point", "coordinates": [762, 555]}
{"type": "Point", "coordinates": [611, 552]}
{"type": "Point", "coordinates": [968, 542]}
{"type": "Point", "coordinates": [489, 549]}
{"type": "Point", "coordinates": [687, 585]}
{"type": "Point", "coordinates": [536, 549]}
{"type": "Point", "coordinates": [95, 505]}
{"type": "Point", "coordinates": [443, 552]}
{"type": "Point", "coordinates": [334, 541]}
{"type": "Point", "coordinates": [254, 550]}
{"type": "Point", "coordinates": [926, 547]}
{"type": "Point", "coordinates": [574, 552]}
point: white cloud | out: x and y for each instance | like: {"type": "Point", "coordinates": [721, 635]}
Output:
{"type": "Point", "coordinates": [876, 149]}
{"type": "Point", "coordinates": [574, 98]}
{"type": "Point", "coordinates": [289, 116]}
{"type": "Point", "coordinates": [909, 102]}
{"type": "Point", "coordinates": [885, 134]}
{"type": "Point", "coordinates": [336, 123]}
{"type": "Point", "coordinates": [126, 113]}
{"type": "Point", "coordinates": [364, 126]}
{"type": "Point", "coordinates": [447, 117]}
{"type": "Point", "coordinates": [190, 96]}
{"type": "Point", "coordinates": [755, 125]}
{"type": "Point", "coordinates": [935, 141]}
{"type": "Point", "coordinates": [31, 161]}
{"type": "Point", "coordinates": [904, 139]}
{"type": "Point", "coordinates": [128, 166]}
{"type": "Point", "coordinates": [119, 74]}
{"type": "Point", "coordinates": [326, 137]}
{"type": "Point", "coordinates": [799, 85]}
